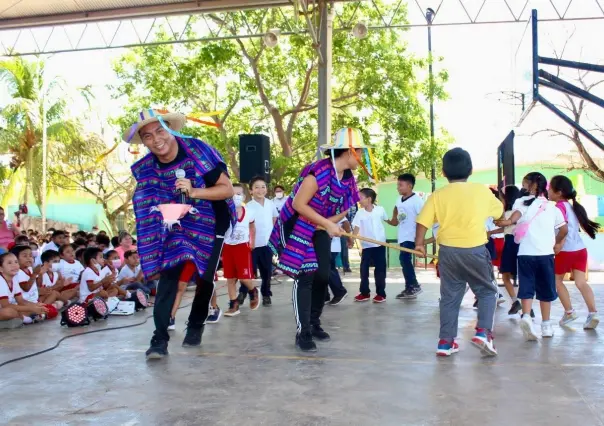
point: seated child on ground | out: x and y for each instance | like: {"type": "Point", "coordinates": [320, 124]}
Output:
{"type": "Point", "coordinates": [93, 283]}
{"type": "Point", "coordinates": [52, 280]}
{"type": "Point", "coordinates": [12, 304]}
{"type": "Point", "coordinates": [27, 279]}
{"type": "Point", "coordinates": [131, 274]}
{"type": "Point", "coordinates": [112, 265]}
{"type": "Point", "coordinates": [70, 268]}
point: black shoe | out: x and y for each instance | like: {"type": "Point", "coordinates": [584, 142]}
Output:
{"type": "Point", "coordinates": [320, 334]}
{"type": "Point", "coordinates": [193, 337]}
{"type": "Point", "coordinates": [337, 299]}
{"type": "Point", "coordinates": [157, 350]}
{"type": "Point", "coordinates": [241, 298]}
{"type": "Point", "coordinates": [347, 271]}
{"type": "Point", "coordinates": [516, 307]}
{"type": "Point", "coordinates": [266, 301]}
{"type": "Point", "coordinates": [305, 342]}
{"type": "Point", "coordinates": [475, 305]}
{"type": "Point", "coordinates": [411, 293]}
{"type": "Point", "coordinates": [532, 314]}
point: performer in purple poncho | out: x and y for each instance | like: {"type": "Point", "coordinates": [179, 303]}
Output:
{"type": "Point", "coordinates": [322, 196]}
{"type": "Point", "coordinates": [180, 221]}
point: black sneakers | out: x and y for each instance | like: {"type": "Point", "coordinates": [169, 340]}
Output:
{"type": "Point", "coordinates": [337, 299]}
{"type": "Point", "coordinates": [266, 301]}
{"type": "Point", "coordinates": [319, 334]}
{"type": "Point", "coordinates": [411, 293]}
{"type": "Point", "coordinates": [157, 350]}
{"type": "Point", "coordinates": [193, 337]}
{"type": "Point", "coordinates": [516, 307]}
{"type": "Point", "coordinates": [305, 342]}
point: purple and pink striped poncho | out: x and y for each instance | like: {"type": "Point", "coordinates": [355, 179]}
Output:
{"type": "Point", "coordinates": [158, 247]}
{"type": "Point", "coordinates": [296, 251]}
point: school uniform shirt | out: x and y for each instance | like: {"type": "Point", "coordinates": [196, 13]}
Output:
{"type": "Point", "coordinates": [10, 291]}
{"type": "Point", "coordinates": [371, 225]}
{"type": "Point", "coordinates": [23, 276]}
{"type": "Point", "coordinates": [71, 270]}
{"type": "Point", "coordinates": [407, 210]}
{"type": "Point", "coordinates": [89, 276]}
{"type": "Point", "coordinates": [540, 237]}
{"type": "Point", "coordinates": [126, 272]}
{"type": "Point", "coordinates": [49, 246]}
{"type": "Point", "coordinates": [509, 230]}
{"type": "Point", "coordinates": [573, 241]}
{"type": "Point", "coordinates": [336, 243]}
{"type": "Point", "coordinates": [490, 226]}
{"type": "Point", "coordinates": [107, 271]}
{"type": "Point", "coordinates": [279, 203]}
{"type": "Point", "coordinates": [50, 278]}
{"type": "Point", "coordinates": [461, 209]}
{"type": "Point", "coordinates": [241, 233]}
{"type": "Point", "coordinates": [263, 218]}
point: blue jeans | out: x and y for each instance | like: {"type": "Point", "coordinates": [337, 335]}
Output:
{"type": "Point", "coordinates": [377, 256]}
{"type": "Point", "coordinates": [406, 260]}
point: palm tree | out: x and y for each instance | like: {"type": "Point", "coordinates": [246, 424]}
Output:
{"type": "Point", "coordinates": [21, 121]}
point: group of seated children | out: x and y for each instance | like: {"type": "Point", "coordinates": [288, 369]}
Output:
{"type": "Point", "coordinates": [31, 293]}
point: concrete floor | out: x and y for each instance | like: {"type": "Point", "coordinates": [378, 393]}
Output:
{"type": "Point", "coordinates": [379, 369]}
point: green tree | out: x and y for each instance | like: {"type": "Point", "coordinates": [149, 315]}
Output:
{"type": "Point", "coordinates": [22, 117]}
{"type": "Point", "coordinates": [275, 90]}
{"type": "Point", "coordinates": [82, 162]}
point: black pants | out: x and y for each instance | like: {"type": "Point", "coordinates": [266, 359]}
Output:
{"type": "Point", "coordinates": [377, 256]}
{"type": "Point", "coordinates": [335, 282]}
{"type": "Point", "coordinates": [168, 287]}
{"type": "Point", "coordinates": [262, 259]}
{"type": "Point", "coordinates": [309, 289]}
{"type": "Point", "coordinates": [344, 253]}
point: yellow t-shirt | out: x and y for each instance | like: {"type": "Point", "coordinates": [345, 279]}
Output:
{"type": "Point", "coordinates": [461, 210]}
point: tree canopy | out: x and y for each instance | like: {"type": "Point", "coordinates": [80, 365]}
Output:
{"type": "Point", "coordinates": [274, 91]}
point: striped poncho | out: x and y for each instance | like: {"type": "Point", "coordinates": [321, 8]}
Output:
{"type": "Point", "coordinates": [295, 250]}
{"type": "Point", "coordinates": [158, 247]}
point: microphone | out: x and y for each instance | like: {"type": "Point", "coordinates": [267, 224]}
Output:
{"type": "Point", "coordinates": [180, 174]}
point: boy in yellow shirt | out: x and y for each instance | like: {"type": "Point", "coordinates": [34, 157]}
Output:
{"type": "Point", "coordinates": [461, 209]}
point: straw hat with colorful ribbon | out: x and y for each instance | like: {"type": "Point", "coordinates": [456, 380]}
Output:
{"type": "Point", "coordinates": [177, 122]}
{"type": "Point", "coordinates": [350, 138]}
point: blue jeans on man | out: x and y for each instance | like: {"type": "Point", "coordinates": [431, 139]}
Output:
{"type": "Point", "coordinates": [406, 260]}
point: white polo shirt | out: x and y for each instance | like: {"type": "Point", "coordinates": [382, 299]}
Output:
{"type": "Point", "coordinates": [541, 234]}
{"type": "Point", "coordinates": [9, 291]}
{"type": "Point", "coordinates": [24, 276]}
{"type": "Point", "coordinates": [241, 233]}
{"type": "Point", "coordinates": [407, 210]}
{"type": "Point", "coordinates": [263, 218]}
{"type": "Point", "coordinates": [50, 278]}
{"type": "Point", "coordinates": [371, 225]}
{"type": "Point", "coordinates": [573, 241]}
{"type": "Point", "coordinates": [89, 276]}
{"type": "Point", "coordinates": [71, 270]}
{"type": "Point", "coordinates": [126, 272]}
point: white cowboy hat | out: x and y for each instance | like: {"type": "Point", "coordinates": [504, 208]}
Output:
{"type": "Point", "coordinates": [177, 121]}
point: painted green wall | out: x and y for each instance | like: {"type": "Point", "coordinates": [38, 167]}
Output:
{"type": "Point", "coordinates": [387, 193]}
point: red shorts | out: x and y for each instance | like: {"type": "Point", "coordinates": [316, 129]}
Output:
{"type": "Point", "coordinates": [499, 243]}
{"type": "Point", "coordinates": [237, 261]}
{"type": "Point", "coordinates": [568, 261]}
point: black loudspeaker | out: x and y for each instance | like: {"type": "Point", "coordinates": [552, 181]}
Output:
{"type": "Point", "coordinates": [505, 162]}
{"type": "Point", "coordinates": [254, 157]}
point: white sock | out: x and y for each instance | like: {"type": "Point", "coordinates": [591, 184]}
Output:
{"type": "Point", "coordinates": [514, 299]}
{"type": "Point", "coordinates": [27, 320]}
{"type": "Point", "coordinates": [545, 322]}
{"type": "Point", "coordinates": [593, 313]}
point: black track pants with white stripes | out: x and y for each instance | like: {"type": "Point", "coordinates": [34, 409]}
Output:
{"type": "Point", "coordinates": [309, 289]}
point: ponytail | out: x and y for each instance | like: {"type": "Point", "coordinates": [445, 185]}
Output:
{"type": "Point", "coordinates": [564, 186]}
{"type": "Point", "coordinates": [536, 178]}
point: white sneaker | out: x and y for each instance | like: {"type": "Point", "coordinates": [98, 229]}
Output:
{"type": "Point", "coordinates": [172, 325]}
{"type": "Point", "coordinates": [592, 321]}
{"type": "Point", "coordinates": [526, 325]}
{"type": "Point", "coordinates": [500, 299]}
{"type": "Point", "coordinates": [547, 330]}
{"type": "Point", "coordinates": [568, 318]}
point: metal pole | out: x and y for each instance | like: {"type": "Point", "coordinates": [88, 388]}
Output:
{"type": "Point", "coordinates": [44, 154]}
{"type": "Point", "coordinates": [325, 69]}
{"type": "Point", "coordinates": [431, 92]}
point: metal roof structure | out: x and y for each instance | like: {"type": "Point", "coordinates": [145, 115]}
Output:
{"type": "Point", "coordinates": [33, 27]}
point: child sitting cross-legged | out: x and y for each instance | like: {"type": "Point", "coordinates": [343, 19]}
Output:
{"type": "Point", "coordinates": [131, 274]}
{"type": "Point", "coordinates": [27, 279]}
{"type": "Point", "coordinates": [93, 283]}
{"type": "Point", "coordinates": [112, 265]}
{"type": "Point", "coordinates": [13, 307]}
{"type": "Point", "coordinates": [52, 280]}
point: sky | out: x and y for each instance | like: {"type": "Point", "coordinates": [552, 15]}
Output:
{"type": "Point", "coordinates": [481, 61]}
